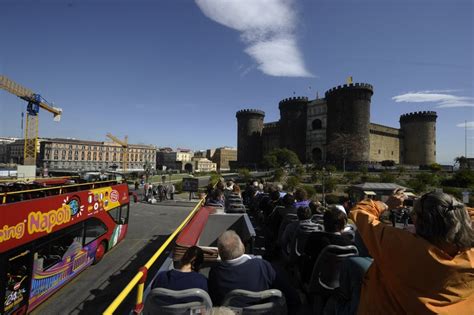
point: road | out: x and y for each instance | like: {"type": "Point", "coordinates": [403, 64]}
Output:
{"type": "Point", "coordinates": [96, 287]}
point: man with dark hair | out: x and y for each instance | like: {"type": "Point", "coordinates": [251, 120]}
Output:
{"type": "Point", "coordinates": [334, 222]}
{"type": "Point", "coordinates": [237, 270]}
{"type": "Point", "coordinates": [301, 198]}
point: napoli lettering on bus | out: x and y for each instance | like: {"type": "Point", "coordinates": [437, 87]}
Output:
{"type": "Point", "coordinates": [45, 222]}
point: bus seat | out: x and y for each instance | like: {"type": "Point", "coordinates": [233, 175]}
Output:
{"type": "Point", "coordinates": [235, 208]}
{"type": "Point", "coordinates": [270, 301]}
{"type": "Point", "coordinates": [326, 272]}
{"type": "Point", "coordinates": [157, 302]}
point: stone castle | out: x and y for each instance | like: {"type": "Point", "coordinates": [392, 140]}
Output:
{"type": "Point", "coordinates": [308, 126]}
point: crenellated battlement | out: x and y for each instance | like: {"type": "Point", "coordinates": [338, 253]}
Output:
{"type": "Point", "coordinates": [296, 99]}
{"type": "Point", "coordinates": [419, 116]}
{"type": "Point", "coordinates": [243, 112]}
{"type": "Point", "coordinates": [350, 86]}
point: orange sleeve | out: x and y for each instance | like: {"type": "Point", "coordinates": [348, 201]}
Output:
{"type": "Point", "coordinates": [373, 232]}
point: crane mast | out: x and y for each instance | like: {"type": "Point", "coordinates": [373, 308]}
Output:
{"type": "Point", "coordinates": [35, 103]}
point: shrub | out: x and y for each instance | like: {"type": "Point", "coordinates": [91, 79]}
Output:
{"type": "Point", "coordinates": [292, 182]}
{"type": "Point", "coordinates": [310, 190]}
{"type": "Point", "coordinates": [462, 178]}
{"type": "Point", "coordinates": [332, 199]}
{"type": "Point", "coordinates": [278, 174]}
{"type": "Point", "coordinates": [244, 173]}
{"type": "Point", "coordinates": [178, 186]}
{"type": "Point", "coordinates": [387, 177]}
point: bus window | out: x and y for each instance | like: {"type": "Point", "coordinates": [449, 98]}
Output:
{"type": "Point", "coordinates": [120, 214]}
{"type": "Point", "coordinates": [115, 214]}
{"type": "Point", "coordinates": [52, 252]}
{"type": "Point", "coordinates": [94, 229]}
{"type": "Point", "coordinates": [18, 281]}
{"type": "Point", "coordinates": [124, 214]}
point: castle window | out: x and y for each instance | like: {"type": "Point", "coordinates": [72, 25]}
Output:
{"type": "Point", "coordinates": [379, 151]}
{"type": "Point", "coordinates": [392, 152]}
{"type": "Point", "coordinates": [317, 124]}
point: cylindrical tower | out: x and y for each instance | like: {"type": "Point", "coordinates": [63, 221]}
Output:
{"type": "Point", "coordinates": [293, 113]}
{"type": "Point", "coordinates": [419, 138]}
{"type": "Point", "coordinates": [249, 136]}
{"type": "Point", "coordinates": [348, 114]}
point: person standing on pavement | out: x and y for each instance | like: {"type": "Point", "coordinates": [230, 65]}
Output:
{"type": "Point", "coordinates": [172, 191]}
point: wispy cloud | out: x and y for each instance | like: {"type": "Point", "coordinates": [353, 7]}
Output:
{"type": "Point", "coordinates": [439, 97]}
{"type": "Point", "coordinates": [467, 124]}
{"type": "Point", "coordinates": [267, 27]}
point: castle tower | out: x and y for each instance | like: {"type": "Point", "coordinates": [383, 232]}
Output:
{"type": "Point", "coordinates": [249, 136]}
{"type": "Point", "coordinates": [348, 112]}
{"type": "Point", "coordinates": [419, 138]}
{"type": "Point", "coordinates": [293, 116]}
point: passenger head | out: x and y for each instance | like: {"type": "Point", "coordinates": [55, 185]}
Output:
{"type": "Point", "coordinates": [303, 213]}
{"type": "Point", "coordinates": [334, 220]}
{"type": "Point", "coordinates": [230, 184]}
{"type": "Point", "coordinates": [236, 189]}
{"type": "Point", "coordinates": [288, 200]}
{"type": "Point", "coordinates": [441, 219]}
{"type": "Point", "coordinates": [193, 256]}
{"type": "Point", "coordinates": [217, 194]}
{"type": "Point", "coordinates": [315, 207]}
{"type": "Point", "coordinates": [274, 195]}
{"type": "Point", "coordinates": [279, 187]}
{"type": "Point", "coordinates": [220, 185]}
{"type": "Point", "coordinates": [300, 194]}
{"type": "Point", "coordinates": [230, 245]}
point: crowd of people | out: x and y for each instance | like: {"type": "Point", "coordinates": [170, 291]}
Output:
{"type": "Point", "coordinates": [155, 192]}
{"type": "Point", "coordinates": [426, 271]}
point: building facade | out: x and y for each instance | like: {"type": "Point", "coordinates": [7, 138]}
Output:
{"type": "Point", "coordinates": [204, 165]}
{"type": "Point", "coordinates": [310, 127]}
{"type": "Point", "coordinates": [223, 157]}
{"type": "Point", "coordinates": [81, 155]}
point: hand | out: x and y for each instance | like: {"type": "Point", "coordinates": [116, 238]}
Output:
{"type": "Point", "coordinates": [395, 201]}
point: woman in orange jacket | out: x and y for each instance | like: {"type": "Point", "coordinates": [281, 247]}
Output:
{"type": "Point", "coordinates": [429, 272]}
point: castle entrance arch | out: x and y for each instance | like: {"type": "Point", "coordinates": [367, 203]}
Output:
{"type": "Point", "coordinates": [317, 155]}
{"type": "Point", "coordinates": [188, 167]}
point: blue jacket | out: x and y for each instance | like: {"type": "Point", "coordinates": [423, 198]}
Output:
{"type": "Point", "coordinates": [252, 274]}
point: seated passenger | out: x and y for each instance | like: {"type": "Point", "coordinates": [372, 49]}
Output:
{"type": "Point", "coordinates": [216, 198]}
{"type": "Point", "coordinates": [301, 198]}
{"type": "Point", "coordinates": [304, 223]}
{"type": "Point", "coordinates": [237, 270]}
{"type": "Point", "coordinates": [334, 221]}
{"type": "Point", "coordinates": [186, 277]}
{"type": "Point", "coordinates": [430, 272]}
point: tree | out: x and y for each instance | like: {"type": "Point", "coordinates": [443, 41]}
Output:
{"type": "Point", "coordinates": [344, 146]}
{"type": "Point", "coordinates": [277, 158]}
{"type": "Point", "coordinates": [461, 162]}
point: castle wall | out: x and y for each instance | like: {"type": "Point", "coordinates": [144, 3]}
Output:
{"type": "Point", "coordinates": [384, 143]}
{"type": "Point", "coordinates": [270, 137]}
{"type": "Point", "coordinates": [316, 131]}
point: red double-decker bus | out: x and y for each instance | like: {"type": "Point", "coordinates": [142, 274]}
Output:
{"type": "Point", "coordinates": [51, 233]}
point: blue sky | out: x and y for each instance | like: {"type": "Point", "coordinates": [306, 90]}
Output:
{"type": "Point", "coordinates": [173, 73]}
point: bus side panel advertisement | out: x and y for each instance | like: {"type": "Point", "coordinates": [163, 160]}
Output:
{"type": "Point", "coordinates": [27, 220]}
{"type": "Point", "coordinates": [47, 281]}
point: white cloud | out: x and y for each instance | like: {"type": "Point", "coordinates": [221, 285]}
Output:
{"type": "Point", "coordinates": [467, 124]}
{"type": "Point", "coordinates": [267, 27]}
{"type": "Point", "coordinates": [439, 97]}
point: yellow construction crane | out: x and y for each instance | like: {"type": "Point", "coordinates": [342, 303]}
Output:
{"type": "Point", "coordinates": [124, 145]}
{"type": "Point", "coordinates": [35, 102]}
